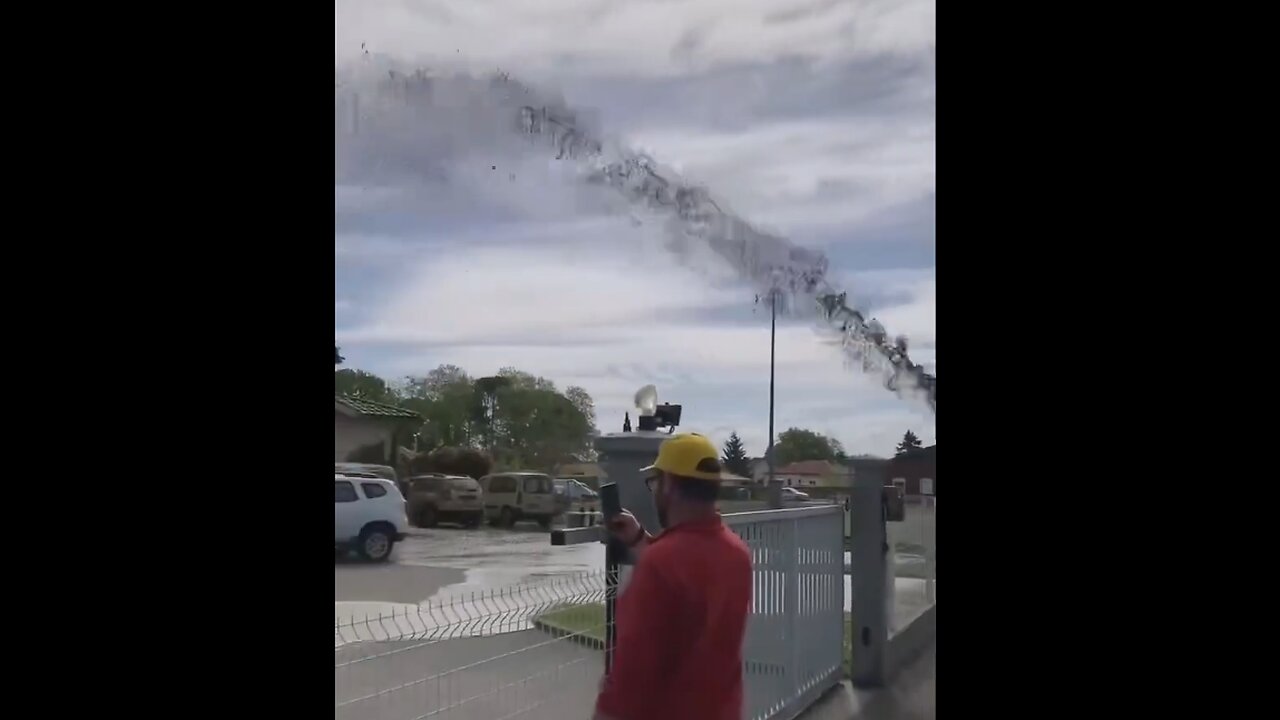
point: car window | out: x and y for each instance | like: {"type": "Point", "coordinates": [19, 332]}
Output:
{"type": "Point", "coordinates": [463, 484]}
{"type": "Point", "coordinates": [373, 490]}
{"type": "Point", "coordinates": [344, 492]}
{"type": "Point", "coordinates": [537, 484]}
{"type": "Point", "coordinates": [502, 484]}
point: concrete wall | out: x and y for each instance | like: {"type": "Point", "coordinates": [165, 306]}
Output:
{"type": "Point", "coordinates": [350, 434]}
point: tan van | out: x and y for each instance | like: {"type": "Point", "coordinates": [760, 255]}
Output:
{"type": "Point", "coordinates": [514, 496]}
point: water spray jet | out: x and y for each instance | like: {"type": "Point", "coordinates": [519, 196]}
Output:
{"type": "Point", "coordinates": [498, 109]}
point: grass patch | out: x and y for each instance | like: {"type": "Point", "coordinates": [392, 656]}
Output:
{"type": "Point", "coordinates": [586, 622]}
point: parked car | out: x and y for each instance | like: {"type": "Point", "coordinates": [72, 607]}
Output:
{"type": "Point", "coordinates": [383, 471]}
{"type": "Point", "coordinates": [368, 517]}
{"type": "Point", "coordinates": [515, 496]}
{"type": "Point", "coordinates": [572, 493]}
{"type": "Point", "coordinates": [435, 498]}
{"type": "Point", "coordinates": [794, 495]}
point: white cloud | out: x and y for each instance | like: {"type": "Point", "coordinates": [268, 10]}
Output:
{"type": "Point", "coordinates": [536, 294]}
{"type": "Point", "coordinates": [796, 175]}
{"type": "Point", "coordinates": [458, 245]}
{"type": "Point", "coordinates": [654, 37]}
{"type": "Point", "coordinates": [611, 322]}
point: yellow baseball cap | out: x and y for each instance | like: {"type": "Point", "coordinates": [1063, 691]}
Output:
{"type": "Point", "coordinates": [688, 455]}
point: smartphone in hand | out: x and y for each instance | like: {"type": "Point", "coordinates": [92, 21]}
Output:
{"type": "Point", "coordinates": [610, 502]}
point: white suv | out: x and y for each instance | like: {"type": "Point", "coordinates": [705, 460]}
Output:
{"type": "Point", "coordinates": [368, 516]}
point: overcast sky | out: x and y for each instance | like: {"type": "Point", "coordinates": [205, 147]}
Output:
{"type": "Point", "coordinates": [814, 120]}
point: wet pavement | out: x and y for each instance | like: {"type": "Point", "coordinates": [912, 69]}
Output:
{"type": "Point", "coordinates": [505, 556]}
{"type": "Point", "coordinates": [435, 565]}
{"type": "Point", "coordinates": [459, 647]}
{"type": "Point", "coordinates": [425, 602]}
{"type": "Point", "coordinates": [911, 696]}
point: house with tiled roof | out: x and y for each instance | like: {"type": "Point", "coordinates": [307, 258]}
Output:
{"type": "Point", "coordinates": [590, 474]}
{"type": "Point", "coordinates": [813, 474]}
{"type": "Point", "coordinates": [364, 427]}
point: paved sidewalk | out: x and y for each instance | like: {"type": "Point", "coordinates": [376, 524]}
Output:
{"type": "Point", "coordinates": [912, 696]}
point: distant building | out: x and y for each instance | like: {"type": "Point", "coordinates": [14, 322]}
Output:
{"type": "Point", "coordinates": [728, 479]}
{"type": "Point", "coordinates": [916, 471]}
{"type": "Point", "coordinates": [590, 474]}
{"type": "Point", "coordinates": [813, 474]}
{"type": "Point", "coordinates": [363, 427]}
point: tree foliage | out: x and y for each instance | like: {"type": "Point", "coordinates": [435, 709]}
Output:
{"type": "Point", "coordinates": [796, 444]}
{"type": "Point", "coordinates": [519, 420]}
{"type": "Point", "coordinates": [734, 456]}
{"type": "Point", "coordinates": [909, 442]}
{"type": "Point", "coordinates": [358, 383]}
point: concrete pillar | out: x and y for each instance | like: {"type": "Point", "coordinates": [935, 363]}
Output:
{"type": "Point", "coordinates": [621, 455]}
{"type": "Point", "coordinates": [871, 572]}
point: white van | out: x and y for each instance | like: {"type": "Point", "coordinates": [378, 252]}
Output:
{"type": "Point", "coordinates": [511, 497]}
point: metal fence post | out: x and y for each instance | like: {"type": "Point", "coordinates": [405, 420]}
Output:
{"type": "Point", "coordinates": [791, 603]}
{"type": "Point", "coordinates": [612, 554]}
{"type": "Point", "coordinates": [930, 549]}
{"type": "Point", "coordinates": [868, 560]}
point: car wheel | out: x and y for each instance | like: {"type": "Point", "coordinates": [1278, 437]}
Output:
{"type": "Point", "coordinates": [508, 518]}
{"type": "Point", "coordinates": [376, 543]}
{"type": "Point", "coordinates": [428, 518]}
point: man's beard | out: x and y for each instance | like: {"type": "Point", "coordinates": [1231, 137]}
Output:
{"type": "Point", "coordinates": [661, 505]}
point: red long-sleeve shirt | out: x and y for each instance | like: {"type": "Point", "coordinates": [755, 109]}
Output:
{"type": "Point", "coordinates": [680, 624]}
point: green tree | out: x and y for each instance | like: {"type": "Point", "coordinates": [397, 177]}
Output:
{"type": "Point", "coordinates": [909, 442]}
{"type": "Point", "coordinates": [581, 399]}
{"type": "Point", "coordinates": [796, 444]}
{"type": "Point", "coordinates": [734, 456]}
{"type": "Point", "coordinates": [444, 398]}
{"type": "Point", "coordinates": [358, 383]}
{"type": "Point", "coordinates": [520, 419]}
{"type": "Point", "coordinates": [536, 427]}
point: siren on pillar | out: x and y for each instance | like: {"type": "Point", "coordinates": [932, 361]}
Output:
{"type": "Point", "coordinates": [653, 415]}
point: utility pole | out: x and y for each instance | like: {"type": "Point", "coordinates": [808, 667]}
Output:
{"type": "Point", "coordinates": [775, 493]}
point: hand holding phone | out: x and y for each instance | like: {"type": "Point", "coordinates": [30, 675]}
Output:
{"type": "Point", "coordinates": [610, 502]}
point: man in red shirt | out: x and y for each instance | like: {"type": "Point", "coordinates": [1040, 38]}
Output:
{"type": "Point", "coordinates": [682, 616]}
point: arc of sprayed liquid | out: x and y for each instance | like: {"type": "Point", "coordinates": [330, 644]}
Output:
{"type": "Point", "coordinates": [791, 275]}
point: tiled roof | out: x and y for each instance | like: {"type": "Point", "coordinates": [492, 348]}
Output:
{"type": "Point", "coordinates": [374, 409]}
